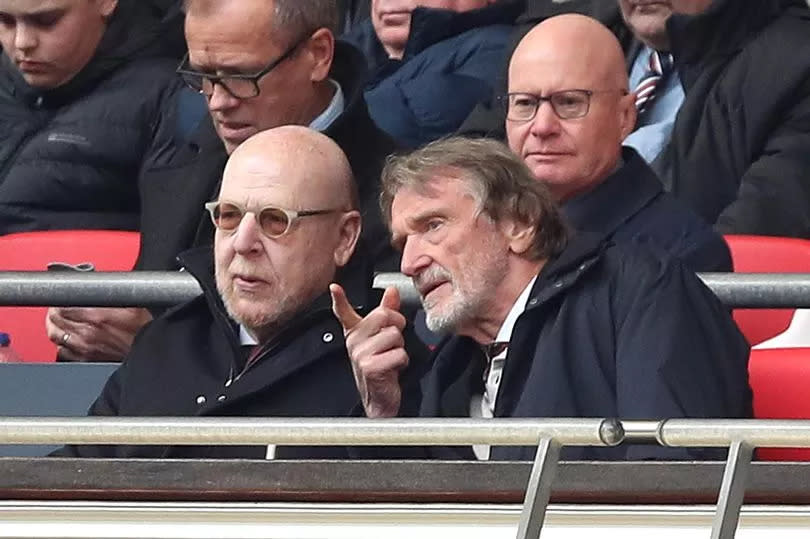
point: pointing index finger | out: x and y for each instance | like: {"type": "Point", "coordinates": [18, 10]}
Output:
{"type": "Point", "coordinates": [343, 310]}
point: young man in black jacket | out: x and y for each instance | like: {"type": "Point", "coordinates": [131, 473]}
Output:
{"type": "Point", "coordinates": [88, 101]}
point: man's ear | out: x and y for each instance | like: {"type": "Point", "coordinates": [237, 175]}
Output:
{"type": "Point", "coordinates": [106, 7]}
{"type": "Point", "coordinates": [627, 114]}
{"type": "Point", "coordinates": [321, 50]}
{"type": "Point", "coordinates": [349, 228]}
{"type": "Point", "coordinates": [520, 236]}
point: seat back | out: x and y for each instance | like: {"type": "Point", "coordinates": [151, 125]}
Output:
{"type": "Point", "coordinates": [779, 378]}
{"type": "Point", "coordinates": [107, 250]}
{"type": "Point", "coordinates": [766, 254]}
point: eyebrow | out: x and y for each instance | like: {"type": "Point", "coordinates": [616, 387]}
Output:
{"type": "Point", "coordinates": [27, 15]}
{"type": "Point", "coordinates": [413, 221]}
{"type": "Point", "coordinates": [47, 12]}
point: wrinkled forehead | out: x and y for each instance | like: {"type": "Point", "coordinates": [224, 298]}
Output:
{"type": "Point", "coordinates": [261, 182]}
{"type": "Point", "coordinates": [280, 180]}
{"type": "Point", "coordinates": [551, 68]}
{"type": "Point", "coordinates": [438, 191]}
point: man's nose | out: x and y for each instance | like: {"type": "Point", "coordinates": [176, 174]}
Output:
{"type": "Point", "coordinates": [545, 121]}
{"type": "Point", "coordinates": [221, 99]}
{"type": "Point", "coordinates": [248, 235]}
{"type": "Point", "coordinates": [25, 38]}
{"type": "Point", "coordinates": [414, 259]}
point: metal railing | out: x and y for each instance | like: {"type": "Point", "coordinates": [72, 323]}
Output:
{"type": "Point", "coordinates": [550, 435]}
{"type": "Point", "coordinates": [738, 290]}
{"type": "Point", "coordinates": [162, 289]}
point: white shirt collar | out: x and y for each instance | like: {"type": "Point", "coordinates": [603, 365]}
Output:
{"type": "Point", "coordinates": [505, 333]}
{"type": "Point", "coordinates": [331, 113]}
{"type": "Point", "coordinates": [245, 338]}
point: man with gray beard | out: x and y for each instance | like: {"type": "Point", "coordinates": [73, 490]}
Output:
{"type": "Point", "coordinates": [544, 323]}
{"type": "Point", "coordinates": [261, 340]}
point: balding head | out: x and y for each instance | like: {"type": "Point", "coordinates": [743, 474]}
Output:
{"type": "Point", "coordinates": [266, 272]}
{"type": "Point", "coordinates": [311, 165]}
{"type": "Point", "coordinates": [569, 52]}
{"type": "Point", "coordinates": [588, 51]}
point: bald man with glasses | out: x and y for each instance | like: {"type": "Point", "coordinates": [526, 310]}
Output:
{"type": "Point", "coordinates": [261, 340]}
{"type": "Point", "coordinates": [568, 109]}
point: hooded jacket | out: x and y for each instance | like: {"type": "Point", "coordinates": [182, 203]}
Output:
{"type": "Point", "coordinates": [71, 156]}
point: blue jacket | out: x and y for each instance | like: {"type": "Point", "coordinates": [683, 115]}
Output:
{"type": "Point", "coordinates": [451, 62]}
{"type": "Point", "coordinates": [607, 332]}
{"type": "Point", "coordinates": [631, 207]}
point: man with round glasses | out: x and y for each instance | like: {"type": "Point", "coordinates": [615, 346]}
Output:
{"type": "Point", "coordinates": [568, 110]}
{"type": "Point", "coordinates": [261, 340]}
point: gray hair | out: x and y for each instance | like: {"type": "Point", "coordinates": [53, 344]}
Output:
{"type": "Point", "coordinates": [294, 18]}
{"type": "Point", "coordinates": [302, 17]}
{"type": "Point", "coordinates": [500, 183]}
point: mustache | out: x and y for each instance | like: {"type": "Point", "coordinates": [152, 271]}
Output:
{"type": "Point", "coordinates": [431, 275]}
{"type": "Point", "coordinates": [244, 268]}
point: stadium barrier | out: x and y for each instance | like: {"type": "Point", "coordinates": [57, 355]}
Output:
{"type": "Point", "coordinates": [550, 435]}
{"type": "Point", "coordinates": [162, 289]}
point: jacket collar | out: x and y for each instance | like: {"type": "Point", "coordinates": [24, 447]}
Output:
{"type": "Point", "coordinates": [430, 26]}
{"type": "Point", "coordinates": [311, 334]}
{"type": "Point", "coordinates": [559, 274]}
{"type": "Point", "coordinates": [458, 363]}
{"type": "Point", "coordinates": [606, 208]}
{"type": "Point", "coordinates": [721, 30]}
{"type": "Point", "coordinates": [349, 70]}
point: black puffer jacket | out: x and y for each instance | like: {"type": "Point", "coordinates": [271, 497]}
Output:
{"type": "Point", "coordinates": [740, 148]}
{"type": "Point", "coordinates": [71, 157]}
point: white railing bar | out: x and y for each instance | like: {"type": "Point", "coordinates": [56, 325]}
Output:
{"type": "Point", "coordinates": [724, 432]}
{"type": "Point", "coordinates": [305, 431]}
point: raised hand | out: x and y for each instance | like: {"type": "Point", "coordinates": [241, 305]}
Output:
{"type": "Point", "coordinates": [376, 348]}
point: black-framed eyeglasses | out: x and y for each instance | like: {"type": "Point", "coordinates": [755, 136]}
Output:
{"type": "Point", "coordinates": [240, 86]}
{"type": "Point", "coordinates": [273, 221]}
{"type": "Point", "coordinates": [566, 104]}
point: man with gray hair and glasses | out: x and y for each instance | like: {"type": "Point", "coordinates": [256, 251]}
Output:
{"type": "Point", "coordinates": [258, 64]}
{"type": "Point", "coordinates": [543, 323]}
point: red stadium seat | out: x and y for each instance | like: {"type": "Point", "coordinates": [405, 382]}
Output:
{"type": "Point", "coordinates": [779, 378]}
{"type": "Point", "coordinates": [107, 250]}
{"type": "Point", "coordinates": [767, 254]}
